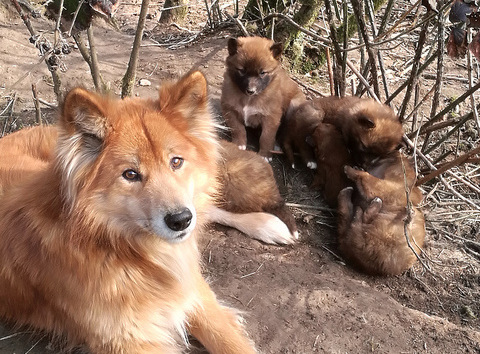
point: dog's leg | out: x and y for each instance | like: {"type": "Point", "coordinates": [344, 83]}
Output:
{"type": "Point", "coordinates": [306, 152]}
{"type": "Point", "coordinates": [239, 133]}
{"type": "Point", "coordinates": [258, 225]}
{"type": "Point", "coordinates": [345, 210]}
{"type": "Point", "coordinates": [217, 327]}
{"type": "Point", "coordinates": [370, 187]}
{"type": "Point", "coordinates": [267, 138]}
{"type": "Point", "coordinates": [287, 148]}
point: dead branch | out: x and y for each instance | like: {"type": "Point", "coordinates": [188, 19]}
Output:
{"type": "Point", "coordinates": [420, 70]}
{"type": "Point", "coordinates": [296, 25]}
{"type": "Point", "coordinates": [363, 80]}
{"type": "Point", "coordinates": [449, 165]}
{"type": "Point", "coordinates": [412, 81]}
{"type": "Point", "coordinates": [358, 10]}
{"type": "Point", "coordinates": [330, 73]}
{"type": "Point", "coordinates": [449, 133]}
{"type": "Point", "coordinates": [53, 70]}
{"type": "Point", "coordinates": [129, 77]}
{"type": "Point", "coordinates": [38, 112]}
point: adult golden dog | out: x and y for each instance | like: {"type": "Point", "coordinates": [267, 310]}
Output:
{"type": "Point", "coordinates": [98, 227]}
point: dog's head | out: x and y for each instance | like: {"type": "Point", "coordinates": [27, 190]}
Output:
{"type": "Point", "coordinates": [374, 131]}
{"type": "Point", "coordinates": [252, 63]}
{"type": "Point", "coordinates": [138, 166]}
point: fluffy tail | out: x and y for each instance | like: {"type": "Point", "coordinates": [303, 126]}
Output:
{"type": "Point", "coordinates": [261, 226]}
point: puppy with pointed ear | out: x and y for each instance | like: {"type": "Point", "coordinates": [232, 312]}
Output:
{"type": "Point", "coordinates": [257, 92]}
{"type": "Point", "coordinates": [370, 129]}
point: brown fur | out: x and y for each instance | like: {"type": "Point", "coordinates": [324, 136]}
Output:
{"type": "Point", "coordinates": [332, 155]}
{"type": "Point", "coordinates": [86, 253]}
{"type": "Point", "coordinates": [299, 124]}
{"type": "Point", "coordinates": [256, 90]}
{"type": "Point", "coordinates": [371, 217]}
{"type": "Point", "coordinates": [370, 129]}
{"type": "Point", "coordinates": [249, 185]}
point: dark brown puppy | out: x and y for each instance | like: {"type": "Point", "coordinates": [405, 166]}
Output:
{"type": "Point", "coordinates": [298, 125]}
{"type": "Point", "coordinates": [370, 129]}
{"type": "Point", "coordinates": [371, 231]}
{"type": "Point", "coordinates": [256, 90]}
{"type": "Point", "coordinates": [331, 156]}
{"type": "Point", "coordinates": [250, 188]}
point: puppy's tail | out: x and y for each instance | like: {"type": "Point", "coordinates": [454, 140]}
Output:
{"type": "Point", "coordinates": [265, 227]}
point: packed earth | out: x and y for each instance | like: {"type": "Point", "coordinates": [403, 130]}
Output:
{"type": "Point", "coordinates": [300, 298]}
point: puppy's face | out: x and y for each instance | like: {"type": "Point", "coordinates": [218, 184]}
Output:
{"type": "Point", "coordinates": [374, 131]}
{"type": "Point", "coordinates": [252, 63]}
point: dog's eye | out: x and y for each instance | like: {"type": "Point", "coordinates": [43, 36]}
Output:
{"type": "Point", "coordinates": [241, 71]}
{"type": "Point", "coordinates": [131, 175]}
{"type": "Point", "coordinates": [176, 162]}
{"type": "Point", "coordinates": [263, 73]}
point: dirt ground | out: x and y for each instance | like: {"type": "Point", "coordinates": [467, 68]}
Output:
{"type": "Point", "coordinates": [296, 299]}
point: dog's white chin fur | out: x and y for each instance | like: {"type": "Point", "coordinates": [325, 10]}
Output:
{"type": "Point", "coordinates": [258, 225]}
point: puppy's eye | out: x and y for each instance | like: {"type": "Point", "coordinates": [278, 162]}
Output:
{"type": "Point", "coordinates": [176, 163]}
{"type": "Point", "coordinates": [241, 71]}
{"type": "Point", "coordinates": [262, 73]}
{"type": "Point", "coordinates": [131, 175]}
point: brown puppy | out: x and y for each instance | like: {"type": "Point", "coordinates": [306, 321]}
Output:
{"type": "Point", "coordinates": [249, 195]}
{"type": "Point", "coordinates": [370, 129]}
{"type": "Point", "coordinates": [332, 155]}
{"type": "Point", "coordinates": [371, 231]}
{"type": "Point", "coordinates": [298, 125]}
{"type": "Point", "coordinates": [256, 91]}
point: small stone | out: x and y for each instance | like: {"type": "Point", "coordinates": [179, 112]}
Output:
{"type": "Point", "coordinates": [144, 82]}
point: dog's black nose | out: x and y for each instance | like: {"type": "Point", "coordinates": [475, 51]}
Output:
{"type": "Point", "coordinates": [250, 91]}
{"type": "Point", "coordinates": [178, 221]}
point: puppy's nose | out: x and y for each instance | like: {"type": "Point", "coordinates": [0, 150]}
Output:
{"type": "Point", "coordinates": [179, 220]}
{"type": "Point", "coordinates": [250, 91]}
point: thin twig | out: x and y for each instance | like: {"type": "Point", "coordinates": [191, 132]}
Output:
{"type": "Point", "coordinates": [362, 79]}
{"type": "Point", "coordinates": [38, 112]}
{"type": "Point", "coordinates": [458, 161]}
{"type": "Point", "coordinates": [412, 81]}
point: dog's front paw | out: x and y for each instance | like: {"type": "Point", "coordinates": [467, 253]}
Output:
{"type": "Point", "coordinates": [312, 165]}
{"type": "Point", "coordinates": [268, 159]}
{"type": "Point", "coordinates": [242, 147]}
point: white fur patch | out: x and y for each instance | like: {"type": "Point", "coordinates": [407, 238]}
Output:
{"type": "Point", "coordinates": [312, 165]}
{"type": "Point", "coordinates": [261, 226]}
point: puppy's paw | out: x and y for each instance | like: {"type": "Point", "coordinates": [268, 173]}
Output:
{"type": "Point", "coordinates": [242, 147]}
{"type": "Point", "coordinates": [346, 193]}
{"type": "Point", "coordinates": [350, 172]}
{"type": "Point", "coordinates": [312, 165]}
{"type": "Point", "coordinates": [268, 159]}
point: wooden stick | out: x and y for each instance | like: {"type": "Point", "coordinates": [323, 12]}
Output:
{"type": "Point", "coordinates": [38, 112]}
{"type": "Point", "coordinates": [456, 162]}
{"type": "Point", "coordinates": [330, 73]}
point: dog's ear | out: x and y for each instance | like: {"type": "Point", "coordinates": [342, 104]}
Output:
{"type": "Point", "coordinates": [83, 127]}
{"type": "Point", "coordinates": [187, 100]}
{"type": "Point", "coordinates": [187, 96]}
{"type": "Point", "coordinates": [232, 46]}
{"type": "Point", "coordinates": [277, 50]}
{"type": "Point", "coordinates": [365, 122]}
{"type": "Point", "coordinates": [82, 114]}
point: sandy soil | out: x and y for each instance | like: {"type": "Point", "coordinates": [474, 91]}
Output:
{"type": "Point", "coordinates": [296, 299]}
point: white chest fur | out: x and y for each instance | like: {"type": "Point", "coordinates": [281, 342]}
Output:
{"type": "Point", "coordinates": [248, 112]}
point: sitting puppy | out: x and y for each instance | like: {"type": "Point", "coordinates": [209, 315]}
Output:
{"type": "Point", "coordinates": [371, 228]}
{"type": "Point", "coordinates": [249, 199]}
{"type": "Point", "coordinates": [370, 129]}
{"type": "Point", "coordinates": [256, 91]}
{"type": "Point", "coordinates": [331, 156]}
{"type": "Point", "coordinates": [299, 124]}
